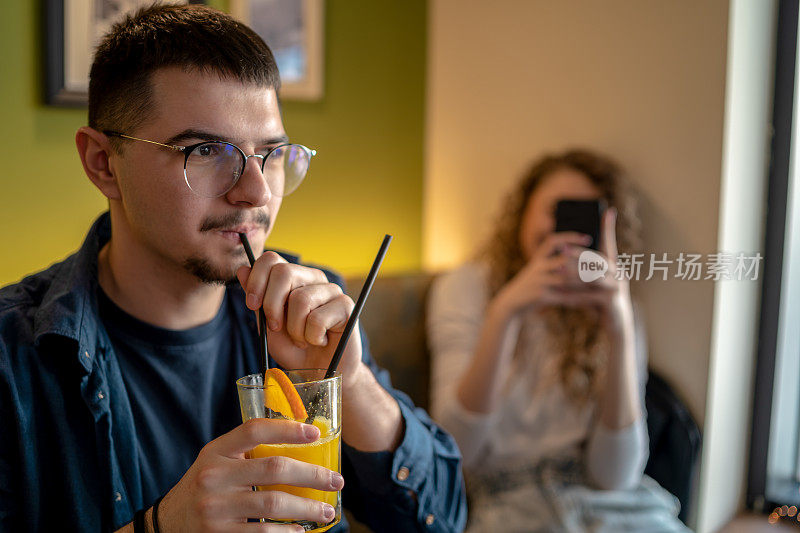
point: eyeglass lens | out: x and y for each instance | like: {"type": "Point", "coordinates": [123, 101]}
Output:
{"type": "Point", "coordinates": [213, 168]}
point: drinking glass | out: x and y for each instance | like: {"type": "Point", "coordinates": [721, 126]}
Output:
{"type": "Point", "coordinates": [322, 400]}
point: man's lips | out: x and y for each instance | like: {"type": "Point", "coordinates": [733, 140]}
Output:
{"type": "Point", "coordinates": [237, 222]}
{"type": "Point", "coordinates": [233, 233]}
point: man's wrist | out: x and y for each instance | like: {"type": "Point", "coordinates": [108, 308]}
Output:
{"type": "Point", "coordinates": [372, 420]}
{"type": "Point", "coordinates": [355, 380]}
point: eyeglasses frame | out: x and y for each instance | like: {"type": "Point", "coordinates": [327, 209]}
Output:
{"type": "Point", "coordinates": [187, 150]}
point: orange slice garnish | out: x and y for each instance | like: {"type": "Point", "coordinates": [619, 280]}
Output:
{"type": "Point", "coordinates": [281, 396]}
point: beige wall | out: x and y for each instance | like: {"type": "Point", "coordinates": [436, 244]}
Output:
{"type": "Point", "coordinates": [642, 81]}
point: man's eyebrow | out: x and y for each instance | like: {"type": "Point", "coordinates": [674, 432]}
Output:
{"type": "Point", "coordinates": [280, 139]}
{"type": "Point", "coordinates": [186, 135]}
{"type": "Point", "coordinates": [201, 135]}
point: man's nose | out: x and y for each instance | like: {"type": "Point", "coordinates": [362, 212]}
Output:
{"type": "Point", "coordinates": [252, 187]}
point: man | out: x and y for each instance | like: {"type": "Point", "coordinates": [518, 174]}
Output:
{"type": "Point", "coordinates": [117, 366]}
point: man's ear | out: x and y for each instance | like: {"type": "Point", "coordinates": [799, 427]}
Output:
{"type": "Point", "coordinates": [95, 149]}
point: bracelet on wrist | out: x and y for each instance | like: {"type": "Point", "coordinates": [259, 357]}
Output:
{"type": "Point", "coordinates": [138, 522]}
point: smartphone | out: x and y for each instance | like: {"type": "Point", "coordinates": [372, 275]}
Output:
{"type": "Point", "coordinates": [582, 216]}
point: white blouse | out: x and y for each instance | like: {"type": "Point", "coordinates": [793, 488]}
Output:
{"type": "Point", "coordinates": [535, 419]}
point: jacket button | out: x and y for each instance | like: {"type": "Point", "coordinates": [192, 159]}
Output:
{"type": "Point", "coordinates": [100, 395]}
{"type": "Point", "coordinates": [402, 474]}
{"type": "Point", "coordinates": [117, 497]}
{"type": "Point", "coordinates": [429, 519]}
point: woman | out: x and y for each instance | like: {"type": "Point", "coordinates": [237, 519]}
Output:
{"type": "Point", "coordinates": [540, 376]}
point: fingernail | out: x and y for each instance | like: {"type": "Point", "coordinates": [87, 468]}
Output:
{"type": "Point", "coordinates": [310, 432]}
{"type": "Point", "coordinates": [251, 300]}
{"type": "Point", "coordinates": [301, 345]}
{"type": "Point", "coordinates": [337, 481]}
{"type": "Point", "coordinates": [273, 324]}
{"type": "Point", "coordinates": [328, 512]}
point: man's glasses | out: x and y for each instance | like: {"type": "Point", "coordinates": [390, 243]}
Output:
{"type": "Point", "coordinates": [212, 168]}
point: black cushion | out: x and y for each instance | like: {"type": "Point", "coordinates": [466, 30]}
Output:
{"type": "Point", "coordinates": [674, 441]}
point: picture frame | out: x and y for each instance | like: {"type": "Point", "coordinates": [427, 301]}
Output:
{"type": "Point", "coordinates": [294, 31]}
{"type": "Point", "coordinates": [72, 29]}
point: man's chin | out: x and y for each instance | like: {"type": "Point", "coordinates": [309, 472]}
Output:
{"type": "Point", "coordinates": [208, 272]}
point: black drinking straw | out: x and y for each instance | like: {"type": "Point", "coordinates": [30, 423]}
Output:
{"type": "Point", "coordinates": [351, 322]}
{"type": "Point", "coordinates": [262, 319]}
{"type": "Point", "coordinates": [362, 298]}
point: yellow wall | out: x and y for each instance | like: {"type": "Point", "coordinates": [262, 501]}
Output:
{"type": "Point", "coordinates": [366, 180]}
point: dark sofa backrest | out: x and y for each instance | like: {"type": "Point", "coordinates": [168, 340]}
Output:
{"type": "Point", "coordinates": [394, 320]}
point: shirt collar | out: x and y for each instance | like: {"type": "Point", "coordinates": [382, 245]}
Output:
{"type": "Point", "coordinates": [69, 306]}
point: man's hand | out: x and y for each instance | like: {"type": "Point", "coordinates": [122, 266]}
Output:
{"type": "Point", "coordinates": [216, 492]}
{"type": "Point", "coordinates": [306, 314]}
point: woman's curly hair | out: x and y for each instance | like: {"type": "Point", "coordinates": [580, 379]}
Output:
{"type": "Point", "coordinates": [574, 333]}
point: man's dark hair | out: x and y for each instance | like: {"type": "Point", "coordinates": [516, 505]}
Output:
{"type": "Point", "coordinates": [191, 37]}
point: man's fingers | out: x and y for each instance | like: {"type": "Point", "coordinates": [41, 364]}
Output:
{"type": "Point", "coordinates": [257, 431]}
{"type": "Point", "coordinates": [273, 504]}
{"type": "Point", "coordinates": [242, 273]}
{"type": "Point", "coordinates": [277, 505]}
{"type": "Point", "coordinates": [287, 292]}
{"type": "Point", "coordinates": [329, 317]}
{"type": "Point", "coordinates": [269, 527]}
{"type": "Point", "coordinates": [283, 279]}
{"type": "Point", "coordinates": [256, 281]}
{"type": "Point", "coordinates": [279, 470]}
{"type": "Point", "coordinates": [313, 309]}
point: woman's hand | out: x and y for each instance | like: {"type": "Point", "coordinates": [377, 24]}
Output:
{"type": "Point", "coordinates": [551, 277]}
{"type": "Point", "coordinates": [610, 293]}
{"type": "Point", "coordinates": [542, 280]}
{"type": "Point", "coordinates": [614, 298]}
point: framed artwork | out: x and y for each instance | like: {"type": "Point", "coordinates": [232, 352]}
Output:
{"type": "Point", "coordinates": [294, 31]}
{"type": "Point", "coordinates": [72, 30]}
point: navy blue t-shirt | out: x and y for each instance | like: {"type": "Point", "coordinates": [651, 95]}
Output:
{"type": "Point", "coordinates": [181, 386]}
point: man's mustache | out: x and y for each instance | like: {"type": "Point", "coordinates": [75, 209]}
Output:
{"type": "Point", "coordinates": [235, 219]}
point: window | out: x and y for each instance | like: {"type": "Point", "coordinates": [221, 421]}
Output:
{"type": "Point", "coordinates": [774, 477]}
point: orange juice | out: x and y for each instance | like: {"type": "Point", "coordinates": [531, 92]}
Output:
{"type": "Point", "coordinates": [322, 452]}
{"type": "Point", "coordinates": [293, 395]}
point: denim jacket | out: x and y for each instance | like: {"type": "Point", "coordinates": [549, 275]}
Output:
{"type": "Point", "coordinates": [68, 446]}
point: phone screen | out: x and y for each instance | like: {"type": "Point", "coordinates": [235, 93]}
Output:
{"type": "Point", "coordinates": [582, 216]}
